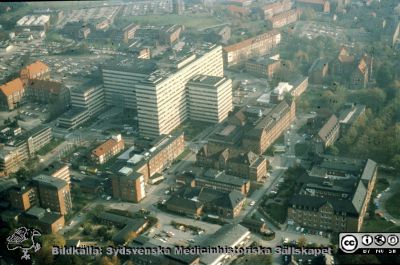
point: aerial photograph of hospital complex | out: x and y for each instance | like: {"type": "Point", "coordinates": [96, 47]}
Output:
{"type": "Point", "coordinates": [200, 132]}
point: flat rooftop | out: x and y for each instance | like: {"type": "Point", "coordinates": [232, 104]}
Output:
{"type": "Point", "coordinates": [207, 80]}
{"type": "Point", "coordinates": [50, 181]}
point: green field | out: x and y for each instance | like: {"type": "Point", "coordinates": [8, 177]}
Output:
{"type": "Point", "coordinates": [377, 224]}
{"type": "Point", "coordinates": [196, 21]}
{"type": "Point", "coordinates": [392, 205]}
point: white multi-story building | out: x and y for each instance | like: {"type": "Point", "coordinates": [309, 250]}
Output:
{"type": "Point", "coordinates": [119, 84]}
{"type": "Point", "coordinates": [90, 97]}
{"type": "Point", "coordinates": [209, 98]}
{"type": "Point", "coordinates": [161, 97]}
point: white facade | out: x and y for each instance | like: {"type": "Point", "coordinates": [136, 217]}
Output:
{"type": "Point", "coordinates": [209, 98]}
{"type": "Point", "coordinates": [119, 87]}
{"type": "Point", "coordinates": [161, 99]}
{"type": "Point", "coordinates": [90, 98]}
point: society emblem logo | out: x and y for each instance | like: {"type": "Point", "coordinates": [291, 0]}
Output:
{"type": "Point", "coordinates": [24, 239]}
{"type": "Point", "coordinates": [348, 243]}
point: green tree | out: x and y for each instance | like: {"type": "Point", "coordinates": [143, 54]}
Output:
{"type": "Point", "coordinates": [45, 256]}
{"type": "Point", "coordinates": [87, 229]}
{"type": "Point", "coordinates": [332, 150]}
{"type": "Point", "coordinates": [308, 14]}
{"type": "Point", "coordinates": [384, 76]}
{"type": "Point", "coordinates": [395, 162]}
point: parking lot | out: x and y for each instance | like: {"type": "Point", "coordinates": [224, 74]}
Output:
{"type": "Point", "coordinates": [72, 66]}
{"type": "Point", "coordinates": [311, 30]}
{"type": "Point", "coordinates": [150, 7]}
{"type": "Point", "coordinates": [86, 14]}
{"type": "Point", "coordinates": [30, 115]}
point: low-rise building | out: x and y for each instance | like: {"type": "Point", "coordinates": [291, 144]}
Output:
{"type": "Point", "coordinates": [48, 91]}
{"type": "Point", "coordinates": [318, 71]}
{"type": "Point", "coordinates": [395, 37]}
{"type": "Point", "coordinates": [255, 225]}
{"type": "Point", "coordinates": [351, 115]}
{"type": "Point", "coordinates": [300, 85]}
{"type": "Point", "coordinates": [318, 5]}
{"type": "Point", "coordinates": [47, 222]}
{"type": "Point", "coordinates": [237, 10]}
{"type": "Point", "coordinates": [356, 69]}
{"type": "Point", "coordinates": [36, 70]}
{"type": "Point", "coordinates": [336, 197]}
{"type": "Point", "coordinates": [128, 32]}
{"type": "Point", "coordinates": [118, 220]}
{"type": "Point", "coordinates": [130, 231]}
{"type": "Point", "coordinates": [329, 133]}
{"type": "Point", "coordinates": [260, 45]}
{"type": "Point", "coordinates": [234, 161]}
{"type": "Point", "coordinates": [274, 8]}
{"type": "Point", "coordinates": [269, 127]}
{"type": "Point", "coordinates": [242, 3]}
{"type": "Point", "coordinates": [157, 155]}
{"type": "Point", "coordinates": [285, 18]}
{"type": "Point", "coordinates": [230, 235]}
{"type": "Point", "coordinates": [170, 34]}
{"type": "Point", "coordinates": [223, 204]}
{"type": "Point", "coordinates": [219, 180]}
{"type": "Point", "coordinates": [185, 206]}
{"type": "Point", "coordinates": [360, 76]}
{"type": "Point", "coordinates": [263, 67]}
{"type": "Point", "coordinates": [73, 118]}
{"type": "Point", "coordinates": [34, 22]}
{"type": "Point", "coordinates": [12, 94]}
{"type": "Point", "coordinates": [108, 149]}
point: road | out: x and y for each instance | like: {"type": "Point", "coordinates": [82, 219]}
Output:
{"type": "Point", "coordinates": [280, 164]}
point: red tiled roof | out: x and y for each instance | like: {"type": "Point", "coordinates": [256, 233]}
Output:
{"type": "Point", "coordinates": [237, 9]}
{"type": "Point", "coordinates": [285, 14]}
{"type": "Point", "coordinates": [12, 86]}
{"type": "Point", "coordinates": [36, 67]}
{"type": "Point", "coordinates": [344, 56]}
{"type": "Point", "coordinates": [105, 147]}
{"type": "Point", "coordinates": [362, 66]}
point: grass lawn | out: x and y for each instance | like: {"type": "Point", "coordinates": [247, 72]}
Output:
{"type": "Point", "coordinates": [191, 21]}
{"type": "Point", "coordinates": [377, 224]}
{"type": "Point", "coordinates": [381, 184]}
{"type": "Point", "coordinates": [392, 205]}
{"type": "Point", "coordinates": [309, 100]}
